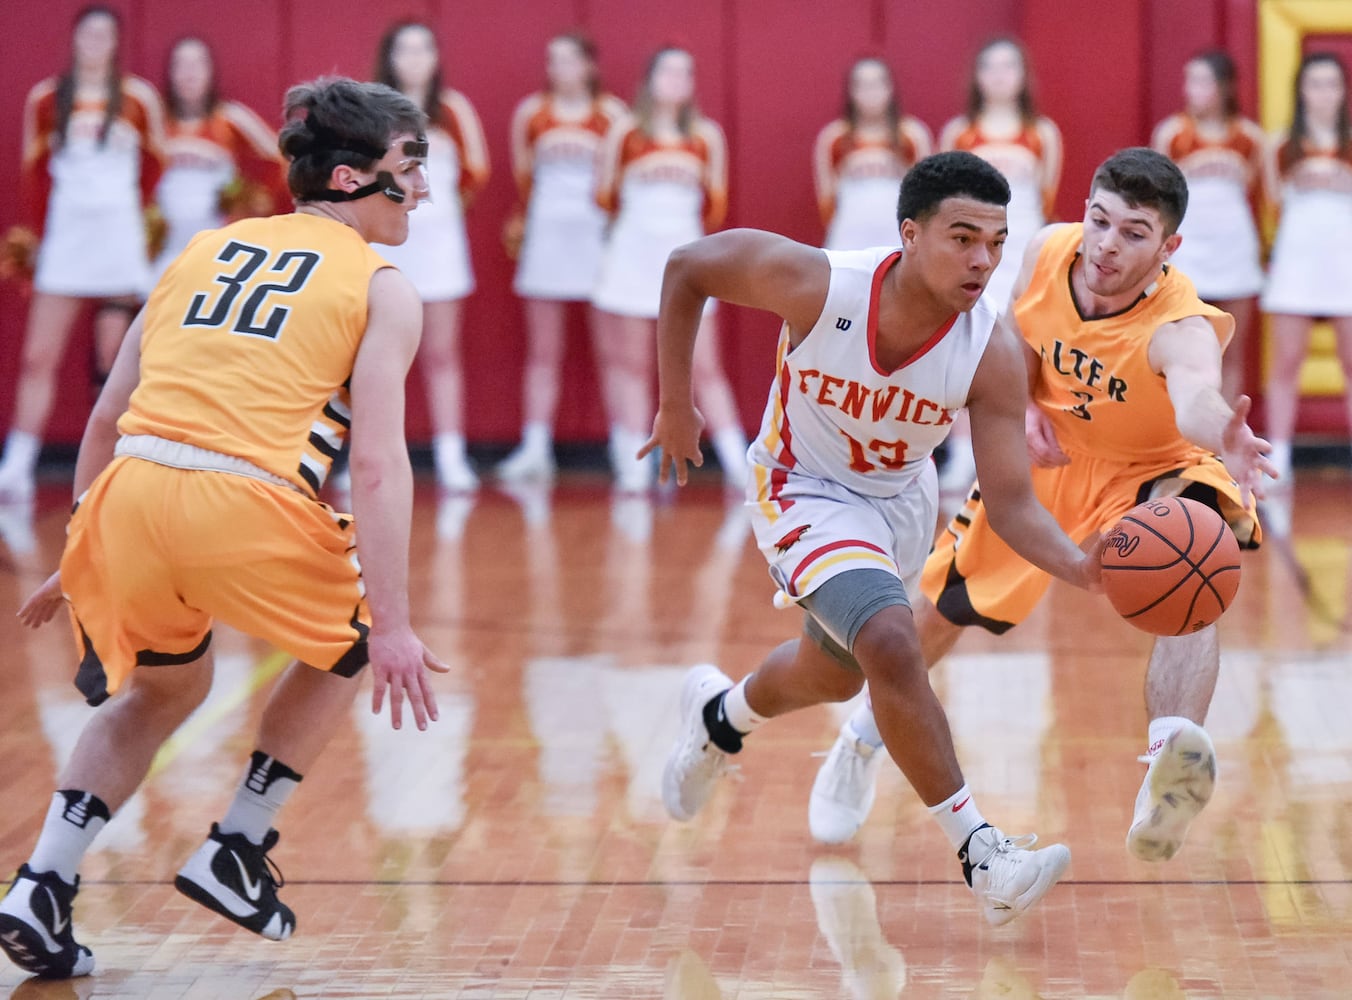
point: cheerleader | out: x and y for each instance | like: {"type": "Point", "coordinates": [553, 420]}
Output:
{"type": "Point", "coordinates": [1002, 126]}
{"type": "Point", "coordinates": [222, 161]}
{"type": "Point", "coordinates": [861, 158]}
{"type": "Point", "coordinates": [436, 256]}
{"type": "Point", "coordinates": [1310, 275]}
{"type": "Point", "coordinates": [91, 158]}
{"type": "Point", "coordinates": [1221, 154]}
{"type": "Point", "coordinates": [556, 136]}
{"type": "Point", "coordinates": [663, 175]}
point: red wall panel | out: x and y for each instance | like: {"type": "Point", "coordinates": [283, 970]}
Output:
{"type": "Point", "coordinates": [770, 71]}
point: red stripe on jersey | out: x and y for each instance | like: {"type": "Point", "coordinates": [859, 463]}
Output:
{"type": "Point", "coordinates": [785, 456]}
{"type": "Point", "coordinates": [778, 479]}
{"type": "Point", "coordinates": [815, 554]}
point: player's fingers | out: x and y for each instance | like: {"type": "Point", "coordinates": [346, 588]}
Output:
{"type": "Point", "coordinates": [413, 689]}
{"type": "Point", "coordinates": [429, 697]}
{"type": "Point", "coordinates": [647, 448]}
{"type": "Point", "coordinates": [1242, 406]}
{"type": "Point", "coordinates": [431, 662]}
{"type": "Point", "coordinates": [682, 472]}
{"type": "Point", "coordinates": [377, 693]}
{"type": "Point", "coordinates": [396, 707]}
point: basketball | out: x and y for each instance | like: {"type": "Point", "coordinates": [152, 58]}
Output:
{"type": "Point", "coordinates": [1170, 566]}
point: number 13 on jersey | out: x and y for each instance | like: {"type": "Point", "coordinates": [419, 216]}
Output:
{"type": "Point", "coordinates": [887, 454]}
{"type": "Point", "coordinates": [262, 312]}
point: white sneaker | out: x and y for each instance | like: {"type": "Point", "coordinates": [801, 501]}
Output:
{"type": "Point", "coordinates": [455, 474]}
{"type": "Point", "coordinates": [527, 464]}
{"type": "Point", "coordinates": [1006, 877]}
{"type": "Point", "coordinates": [695, 764]}
{"type": "Point", "coordinates": [1180, 781]}
{"type": "Point", "coordinates": [16, 483]}
{"type": "Point", "coordinates": [844, 790]}
{"type": "Point", "coordinates": [847, 915]}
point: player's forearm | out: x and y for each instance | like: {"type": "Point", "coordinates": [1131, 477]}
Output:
{"type": "Point", "coordinates": [1027, 528]}
{"type": "Point", "coordinates": [382, 501]}
{"type": "Point", "coordinates": [96, 449]}
{"type": "Point", "coordinates": [677, 326]}
{"type": "Point", "coordinates": [1202, 416]}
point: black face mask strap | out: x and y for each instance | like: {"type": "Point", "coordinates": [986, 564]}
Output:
{"type": "Point", "coordinates": [383, 184]}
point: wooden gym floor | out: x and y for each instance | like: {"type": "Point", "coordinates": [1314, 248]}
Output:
{"type": "Point", "coordinates": [519, 849]}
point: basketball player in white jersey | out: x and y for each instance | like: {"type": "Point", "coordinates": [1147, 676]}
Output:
{"type": "Point", "coordinates": [879, 350]}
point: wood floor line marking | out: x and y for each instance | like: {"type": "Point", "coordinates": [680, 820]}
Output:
{"type": "Point", "coordinates": [259, 674]}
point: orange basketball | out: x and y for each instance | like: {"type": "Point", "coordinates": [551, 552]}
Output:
{"type": "Point", "coordinates": [1171, 566]}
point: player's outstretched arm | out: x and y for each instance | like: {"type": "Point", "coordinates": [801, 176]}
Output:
{"type": "Point", "coordinates": [997, 402]}
{"type": "Point", "coordinates": [743, 266]}
{"type": "Point", "coordinates": [382, 496]}
{"type": "Point", "coordinates": [1188, 355]}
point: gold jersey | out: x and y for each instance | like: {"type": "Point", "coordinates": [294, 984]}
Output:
{"type": "Point", "coordinates": [249, 341]}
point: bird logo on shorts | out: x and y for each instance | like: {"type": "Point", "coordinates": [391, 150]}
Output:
{"type": "Point", "coordinates": [791, 539]}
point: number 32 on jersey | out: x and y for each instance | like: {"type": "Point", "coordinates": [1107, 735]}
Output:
{"type": "Point", "coordinates": [254, 288]}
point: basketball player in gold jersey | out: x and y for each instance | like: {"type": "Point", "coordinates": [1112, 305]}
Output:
{"type": "Point", "coordinates": [196, 499]}
{"type": "Point", "coordinates": [1124, 369]}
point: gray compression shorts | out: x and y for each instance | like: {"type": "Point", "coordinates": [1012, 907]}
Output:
{"type": "Point", "coordinates": [838, 609]}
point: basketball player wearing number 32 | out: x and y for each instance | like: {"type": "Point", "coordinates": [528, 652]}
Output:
{"type": "Point", "coordinates": [1124, 370]}
{"type": "Point", "coordinates": [196, 486]}
{"type": "Point", "coordinates": [879, 350]}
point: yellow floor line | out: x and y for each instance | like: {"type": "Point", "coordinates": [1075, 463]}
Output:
{"type": "Point", "coordinates": [263, 671]}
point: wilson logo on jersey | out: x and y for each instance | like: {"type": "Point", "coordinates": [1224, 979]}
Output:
{"type": "Point", "coordinates": [791, 539]}
{"type": "Point", "coordinates": [843, 324]}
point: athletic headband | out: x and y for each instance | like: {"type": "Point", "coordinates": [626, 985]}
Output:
{"type": "Point", "coordinates": [383, 184]}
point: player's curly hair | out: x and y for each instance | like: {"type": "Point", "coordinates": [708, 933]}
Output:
{"type": "Point", "coordinates": [949, 175]}
{"type": "Point", "coordinates": [334, 121]}
{"type": "Point", "coordinates": [1144, 178]}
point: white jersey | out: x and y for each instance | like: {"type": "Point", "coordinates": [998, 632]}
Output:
{"type": "Point", "coordinates": [835, 415]}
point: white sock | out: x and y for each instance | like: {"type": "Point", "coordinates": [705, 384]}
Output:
{"type": "Point", "coordinates": [21, 451]}
{"type": "Point", "coordinates": [958, 816]}
{"type": "Point", "coordinates": [537, 436]}
{"type": "Point", "coordinates": [863, 726]}
{"type": "Point", "coordinates": [73, 820]}
{"type": "Point", "coordinates": [266, 786]}
{"type": "Point", "coordinates": [1161, 729]}
{"type": "Point", "coordinates": [739, 714]}
{"type": "Point", "coordinates": [450, 448]}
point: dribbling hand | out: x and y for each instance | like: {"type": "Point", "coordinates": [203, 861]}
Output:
{"type": "Point", "coordinates": [676, 433]}
{"type": "Point", "coordinates": [399, 662]}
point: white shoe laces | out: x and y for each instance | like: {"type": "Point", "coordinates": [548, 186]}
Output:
{"type": "Point", "coordinates": [1002, 871]}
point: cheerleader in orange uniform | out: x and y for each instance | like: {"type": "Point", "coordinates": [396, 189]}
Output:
{"type": "Point", "coordinates": [663, 175]}
{"type": "Point", "coordinates": [222, 160]}
{"type": "Point", "coordinates": [1221, 154]}
{"type": "Point", "coordinates": [436, 256]}
{"type": "Point", "coordinates": [556, 137]}
{"type": "Point", "coordinates": [861, 158]}
{"type": "Point", "coordinates": [1310, 275]}
{"type": "Point", "coordinates": [91, 159]}
{"type": "Point", "coordinates": [1002, 127]}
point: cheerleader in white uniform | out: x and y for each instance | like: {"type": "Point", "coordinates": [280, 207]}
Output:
{"type": "Point", "coordinates": [556, 137]}
{"type": "Point", "coordinates": [861, 158]}
{"type": "Point", "coordinates": [663, 175]}
{"type": "Point", "coordinates": [1221, 154]}
{"type": "Point", "coordinates": [1310, 274]}
{"type": "Point", "coordinates": [222, 161]}
{"type": "Point", "coordinates": [436, 255]}
{"type": "Point", "coordinates": [91, 158]}
{"type": "Point", "coordinates": [1002, 127]}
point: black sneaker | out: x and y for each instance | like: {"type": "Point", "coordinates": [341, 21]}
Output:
{"type": "Point", "coordinates": [235, 877]}
{"type": "Point", "coordinates": [35, 929]}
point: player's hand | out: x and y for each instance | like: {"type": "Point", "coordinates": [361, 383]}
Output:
{"type": "Point", "coordinates": [676, 433]}
{"type": "Point", "coordinates": [399, 662]}
{"type": "Point", "coordinates": [1245, 454]}
{"type": "Point", "coordinates": [43, 603]}
{"type": "Point", "coordinates": [1089, 571]}
{"type": "Point", "coordinates": [1044, 450]}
